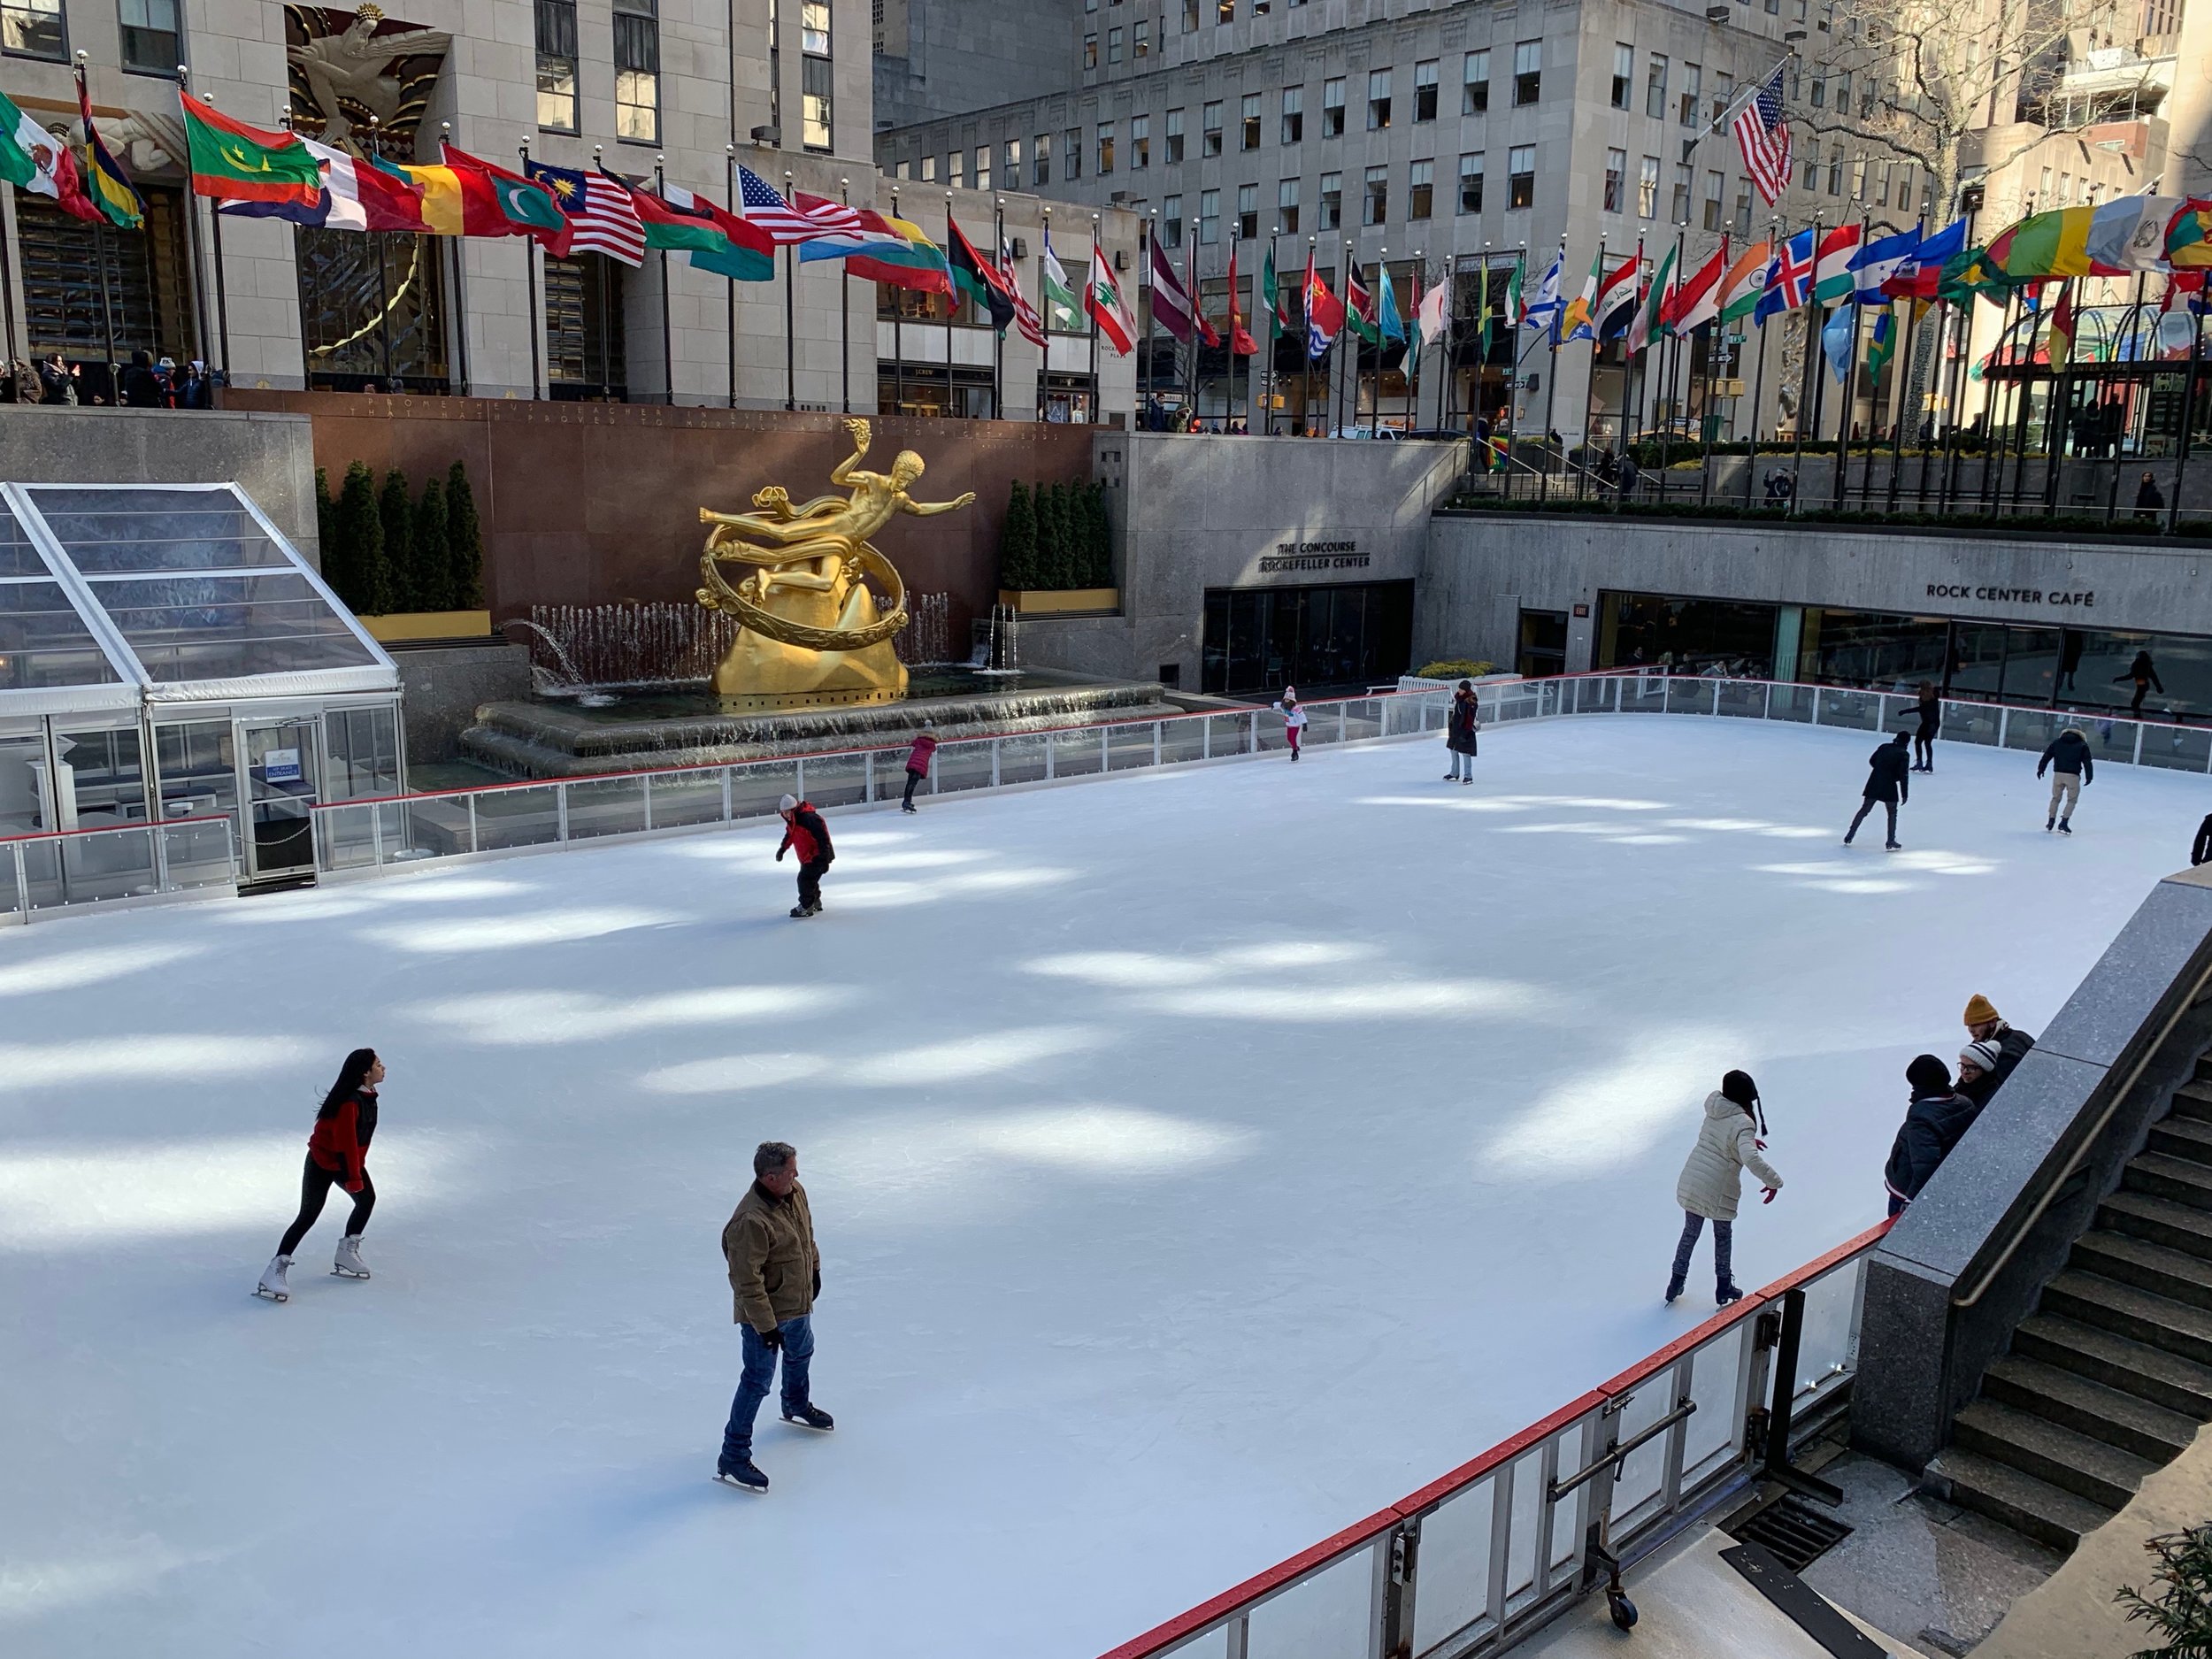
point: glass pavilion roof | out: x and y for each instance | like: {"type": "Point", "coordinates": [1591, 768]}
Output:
{"type": "Point", "coordinates": [113, 593]}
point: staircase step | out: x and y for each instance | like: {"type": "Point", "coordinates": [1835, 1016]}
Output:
{"type": "Point", "coordinates": [2073, 1402]}
{"type": "Point", "coordinates": [2160, 1321]}
{"type": "Point", "coordinates": [2090, 1469]}
{"type": "Point", "coordinates": [2202, 1076]}
{"type": "Point", "coordinates": [2174, 1179]}
{"type": "Point", "coordinates": [2147, 1266]}
{"type": "Point", "coordinates": [2117, 1362]}
{"type": "Point", "coordinates": [2048, 1513]}
{"type": "Point", "coordinates": [2159, 1220]}
{"type": "Point", "coordinates": [2193, 1100]}
{"type": "Point", "coordinates": [2186, 1138]}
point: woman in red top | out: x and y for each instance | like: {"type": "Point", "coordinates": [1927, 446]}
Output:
{"type": "Point", "coordinates": [337, 1154]}
{"type": "Point", "coordinates": [918, 762]}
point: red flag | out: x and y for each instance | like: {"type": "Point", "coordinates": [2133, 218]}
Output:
{"type": "Point", "coordinates": [508, 204]}
{"type": "Point", "coordinates": [1241, 341]}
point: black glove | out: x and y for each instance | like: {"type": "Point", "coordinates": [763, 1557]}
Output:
{"type": "Point", "coordinates": [771, 1338]}
{"type": "Point", "coordinates": [780, 853]}
{"type": "Point", "coordinates": [817, 1282]}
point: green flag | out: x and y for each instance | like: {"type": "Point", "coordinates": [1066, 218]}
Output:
{"type": "Point", "coordinates": [17, 166]}
{"type": "Point", "coordinates": [1267, 296]}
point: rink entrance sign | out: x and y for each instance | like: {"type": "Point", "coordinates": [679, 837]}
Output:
{"type": "Point", "coordinates": [1313, 556]}
{"type": "Point", "coordinates": [281, 765]}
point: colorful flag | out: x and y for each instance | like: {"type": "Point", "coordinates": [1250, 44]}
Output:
{"type": "Point", "coordinates": [1918, 277]}
{"type": "Point", "coordinates": [2115, 238]}
{"type": "Point", "coordinates": [1879, 346]}
{"type": "Point", "coordinates": [601, 218]}
{"type": "Point", "coordinates": [1789, 280]}
{"type": "Point", "coordinates": [1325, 312]}
{"type": "Point", "coordinates": [525, 207]}
{"type": "Point", "coordinates": [107, 183]}
{"type": "Point", "coordinates": [715, 240]}
{"type": "Point", "coordinates": [35, 160]}
{"type": "Point", "coordinates": [1616, 306]}
{"type": "Point", "coordinates": [885, 250]}
{"type": "Point", "coordinates": [1241, 341]}
{"type": "Point", "coordinates": [2059, 341]}
{"type": "Point", "coordinates": [1359, 304]}
{"type": "Point", "coordinates": [237, 162]}
{"type": "Point", "coordinates": [1647, 315]}
{"type": "Point", "coordinates": [1876, 261]}
{"type": "Point", "coordinates": [979, 280]}
{"type": "Point", "coordinates": [1832, 273]}
{"type": "Point", "coordinates": [1171, 306]}
{"type": "Point", "coordinates": [1765, 138]}
{"type": "Point", "coordinates": [1102, 299]}
{"type": "Point", "coordinates": [1697, 302]}
{"type": "Point", "coordinates": [1543, 310]}
{"type": "Point", "coordinates": [1386, 318]}
{"type": "Point", "coordinates": [1836, 337]}
{"type": "Point", "coordinates": [1025, 317]}
{"type": "Point", "coordinates": [762, 206]}
{"type": "Point", "coordinates": [1741, 289]}
{"type": "Point", "coordinates": [1574, 321]}
{"type": "Point", "coordinates": [2188, 236]}
{"type": "Point", "coordinates": [1267, 303]}
{"type": "Point", "coordinates": [1059, 297]}
{"type": "Point", "coordinates": [1431, 319]}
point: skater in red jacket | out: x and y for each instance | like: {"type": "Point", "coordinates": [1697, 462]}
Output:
{"type": "Point", "coordinates": [918, 759]}
{"type": "Point", "coordinates": [337, 1155]}
{"type": "Point", "coordinates": [805, 834]}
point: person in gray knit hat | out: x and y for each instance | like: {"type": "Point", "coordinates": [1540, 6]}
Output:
{"type": "Point", "coordinates": [1980, 1067]}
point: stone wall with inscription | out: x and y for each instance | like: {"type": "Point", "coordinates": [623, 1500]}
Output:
{"type": "Point", "coordinates": [1483, 569]}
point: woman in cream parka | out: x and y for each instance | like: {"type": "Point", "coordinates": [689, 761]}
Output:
{"type": "Point", "coordinates": [1727, 1144]}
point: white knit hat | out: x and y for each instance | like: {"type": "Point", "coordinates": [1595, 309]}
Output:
{"type": "Point", "coordinates": [787, 803]}
{"type": "Point", "coordinates": [1984, 1057]}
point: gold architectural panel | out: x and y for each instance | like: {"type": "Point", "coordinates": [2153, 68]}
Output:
{"type": "Point", "coordinates": [813, 632]}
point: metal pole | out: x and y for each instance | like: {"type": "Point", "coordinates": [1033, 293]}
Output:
{"type": "Point", "coordinates": [1098, 401]}
{"type": "Point", "coordinates": [1590, 379]}
{"type": "Point", "coordinates": [460, 291]}
{"type": "Point", "coordinates": [1850, 398]}
{"type": "Point", "coordinates": [1758, 376]}
{"type": "Point", "coordinates": [998, 336]}
{"type": "Point", "coordinates": [730, 189]}
{"type": "Point", "coordinates": [1664, 401]}
{"type": "Point", "coordinates": [1374, 413]}
{"type": "Point", "coordinates": [668, 342]}
{"type": "Point", "coordinates": [898, 334]}
{"type": "Point", "coordinates": [2188, 402]}
{"type": "Point", "coordinates": [2133, 321]}
{"type": "Point", "coordinates": [790, 319]}
{"type": "Point", "coordinates": [1808, 383]}
{"type": "Point", "coordinates": [7, 281]}
{"type": "Point", "coordinates": [1305, 391]}
{"type": "Point", "coordinates": [2055, 406]}
{"type": "Point", "coordinates": [196, 257]}
{"type": "Point", "coordinates": [952, 304]}
{"type": "Point", "coordinates": [845, 302]}
{"type": "Point", "coordinates": [1551, 383]}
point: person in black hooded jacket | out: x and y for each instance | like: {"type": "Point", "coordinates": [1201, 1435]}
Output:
{"type": "Point", "coordinates": [1934, 1122]}
{"type": "Point", "coordinates": [2067, 759]}
{"type": "Point", "coordinates": [1885, 782]}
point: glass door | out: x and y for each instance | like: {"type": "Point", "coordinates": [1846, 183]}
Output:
{"type": "Point", "coordinates": [282, 761]}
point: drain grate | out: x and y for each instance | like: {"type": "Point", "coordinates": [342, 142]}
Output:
{"type": "Point", "coordinates": [1797, 1533]}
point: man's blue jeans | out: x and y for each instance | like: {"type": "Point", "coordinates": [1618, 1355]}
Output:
{"type": "Point", "coordinates": [760, 1367]}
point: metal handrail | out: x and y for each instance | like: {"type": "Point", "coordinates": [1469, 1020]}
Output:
{"type": "Point", "coordinates": [111, 829]}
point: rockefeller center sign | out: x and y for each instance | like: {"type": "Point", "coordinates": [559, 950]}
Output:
{"type": "Point", "coordinates": [1313, 556]}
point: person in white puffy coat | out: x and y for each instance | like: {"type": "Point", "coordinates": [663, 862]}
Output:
{"type": "Point", "coordinates": [1711, 1183]}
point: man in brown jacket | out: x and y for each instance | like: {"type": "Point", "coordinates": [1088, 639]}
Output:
{"type": "Point", "coordinates": [775, 1274]}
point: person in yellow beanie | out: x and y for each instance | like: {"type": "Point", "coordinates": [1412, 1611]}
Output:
{"type": "Point", "coordinates": [1985, 1025]}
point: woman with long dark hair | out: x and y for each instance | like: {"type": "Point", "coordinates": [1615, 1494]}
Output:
{"type": "Point", "coordinates": [337, 1155]}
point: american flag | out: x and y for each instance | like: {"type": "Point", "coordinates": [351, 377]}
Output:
{"type": "Point", "coordinates": [1765, 138]}
{"type": "Point", "coordinates": [763, 204]}
{"type": "Point", "coordinates": [1025, 317]}
{"type": "Point", "coordinates": [599, 215]}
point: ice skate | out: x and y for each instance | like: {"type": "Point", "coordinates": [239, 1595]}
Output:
{"type": "Point", "coordinates": [2065, 826]}
{"type": "Point", "coordinates": [348, 1262]}
{"type": "Point", "coordinates": [273, 1284]}
{"type": "Point", "coordinates": [1893, 846]}
{"type": "Point", "coordinates": [810, 1418]}
{"type": "Point", "coordinates": [799, 912]}
{"type": "Point", "coordinates": [2048, 824]}
{"type": "Point", "coordinates": [1674, 1292]}
{"type": "Point", "coordinates": [1728, 1292]}
{"type": "Point", "coordinates": [742, 1475]}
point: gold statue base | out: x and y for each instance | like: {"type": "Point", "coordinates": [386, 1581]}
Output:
{"type": "Point", "coordinates": [761, 674]}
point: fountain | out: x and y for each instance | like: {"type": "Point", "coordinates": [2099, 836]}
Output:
{"type": "Point", "coordinates": [797, 656]}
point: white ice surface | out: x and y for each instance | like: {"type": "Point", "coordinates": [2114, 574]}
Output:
{"type": "Point", "coordinates": [1201, 1161]}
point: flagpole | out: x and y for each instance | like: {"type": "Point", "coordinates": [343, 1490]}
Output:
{"type": "Point", "coordinates": [1413, 379]}
{"type": "Point", "coordinates": [998, 336]}
{"type": "Point", "coordinates": [192, 245]}
{"type": "Point", "coordinates": [790, 321]}
{"type": "Point", "coordinates": [1098, 401]}
{"type": "Point", "coordinates": [99, 244]}
{"type": "Point", "coordinates": [1190, 289]}
{"type": "Point", "coordinates": [729, 320]}
{"type": "Point", "coordinates": [1374, 297]}
{"type": "Point", "coordinates": [2134, 319]}
{"type": "Point", "coordinates": [1850, 379]}
{"type": "Point", "coordinates": [1305, 318]}
{"type": "Point", "coordinates": [1759, 374]}
{"type": "Point", "coordinates": [7, 281]}
{"type": "Point", "coordinates": [1808, 383]}
{"type": "Point", "coordinates": [460, 289]}
{"type": "Point", "coordinates": [1899, 382]}
{"type": "Point", "coordinates": [952, 304]}
{"type": "Point", "coordinates": [1669, 368]}
{"type": "Point", "coordinates": [1590, 379]}
{"type": "Point", "coordinates": [2061, 395]}
{"type": "Point", "coordinates": [668, 338]}
{"type": "Point", "coordinates": [2188, 400]}
{"type": "Point", "coordinates": [1513, 333]}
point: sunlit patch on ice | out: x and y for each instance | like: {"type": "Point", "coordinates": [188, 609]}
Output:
{"type": "Point", "coordinates": [1749, 826]}
{"type": "Point", "coordinates": [31, 1589]}
{"type": "Point", "coordinates": [866, 895]}
{"type": "Point", "coordinates": [176, 1060]}
{"type": "Point", "coordinates": [1621, 833]}
{"type": "Point", "coordinates": [732, 1072]}
{"type": "Point", "coordinates": [1144, 971]}
{"type": "Point", "coordinates": [985, 1054]}
{"type": "Point", "coordinates": [507, 933]}
{"type": "Point", "coordinates": [1377, 999]}
{"type": "Point", "coordinates": [1611, 1115]}
{"type": "Point", "coordinates": [514, 1018]}
{"type": "Point", "coordinates": [68, 970]}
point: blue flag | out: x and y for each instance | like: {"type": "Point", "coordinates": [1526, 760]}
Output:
{"type": "Point", "coordinates": [1789, 278]}
{"type": "Point", "coordinates": [1835, 338]}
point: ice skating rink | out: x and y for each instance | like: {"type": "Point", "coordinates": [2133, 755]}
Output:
{"type": "Point", "coordinates": [1201, 1162]}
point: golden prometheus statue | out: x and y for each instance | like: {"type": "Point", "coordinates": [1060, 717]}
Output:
{"type": "Point", "coordinates": [811, 630]}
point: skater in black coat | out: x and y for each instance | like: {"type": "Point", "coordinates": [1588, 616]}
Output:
{"type": "Point", "coordinates": [2200, 850]}
{"type": "Point", "coordinates": [1885, 782]}
{"type": "Point", "coordinates": [2144, 673]}
{"type": "Point", "coordinates": [2067, 759]}
{"type": "Point", "coordinates": [1934, 1122]}
{"type": "Point", "coordinates": [1930, 709]}
{"type": "Point", "coordinates": [1464, 722]}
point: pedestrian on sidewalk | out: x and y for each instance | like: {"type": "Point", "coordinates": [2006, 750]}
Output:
{"type": "Point", "coordinates": [2068, 761]}
{"type": "Point", "coordinates": [1930, 709]}
{"type": "Point", "coordinates": [918, 759]}
{"type": "Point", "coordinates": [805, 834]}
{"type": "Point", "coordinates": [1885, 783]}
{"type": "Point", "coordinates": [1711, 1183]}
{"type": "Point", "coordinates": [1935, 1121]}
{"type": "Point", "coordinates": [1460, 728]}
{"type": "Point", "coordinates": [337, 1155]}
{"type": "Point", "coordinates": [1293, 719]}
{"type": "Point", "coordinates": [775, 1277]}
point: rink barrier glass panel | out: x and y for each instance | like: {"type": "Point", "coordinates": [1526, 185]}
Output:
{"type": "Point", "coordinates": [1473, 1563]}
{"type": "Point", "coordinates": [76, 868]}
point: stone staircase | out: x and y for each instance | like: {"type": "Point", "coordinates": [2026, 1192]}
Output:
{"type": "Point", "coordinates": [2111, 1376]}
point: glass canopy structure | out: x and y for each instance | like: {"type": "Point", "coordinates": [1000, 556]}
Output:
{"type": "Point", "coordinates": [166, 653]}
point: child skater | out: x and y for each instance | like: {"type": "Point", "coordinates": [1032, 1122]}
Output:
{"type": "Point", "coordinates": [1293, 719]}
{"type": "Point", "coordinates": [1727, 1144]}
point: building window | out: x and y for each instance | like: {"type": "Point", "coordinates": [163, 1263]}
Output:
{"type": "Point", "coordinates": [1648, 187]}
{"type": "Point", "coordinates": [1331, 213]}
{"type": "Point", "coordinates": [982, 166]}
{"type": "Point", "coordinates": [1724, 93]}
{"type": "Point", "coordinates": [1090, 51]}
{"type": "Point", "coordinates": [1470, 183]}
{"type": "Point", "coordinates": [1140, 143]}
{"type": "Point", "coordinates": [1010, 164]}
{"type": "Point", "coordinates": [1293, 115]}
{"type": "Point", "coordinates": [1693, 89]}
{"type": "Point", "coordinates": [1172, 220]}
{"type": "Point", "coordinates": [1528, 71]}
{"type": "Point", "coordinates": [1835, 173]}
{"type": "Point", "coordinates": [1209, 217]}
{"type": "Point", "coordinates": [1141, 45]}
{"type": "Point", "coordinates": [1819, 96]}
{"type": "Point", "coordinates": [1248, 211]}
{"type": "Point", "coordinates": [149, 37]}
{"type": "Point", "coordinates": [1224, 11]}
{"type": "Point", "coordinates": [1715, 191]}
{"type": "Point", "coordinates": [637, 71]}
{"type": "Point", "coordinates": [1332, 108]}
{"type": "Point", "coordinates": [1287, 207]}
{"type": "Point", "coordinates": [1071, 154]}
{"type": "Point", "coordinates": [1812, 168]}
{"type": "Point", "coordinates": [1678, 212]}
{"type": "Point", "coordinates": [929, 169]}
{"type": "Point", "coordinates": [1210, 128]}
{"type": "Point", "coordinates": [1425, 91]}
{"type": "Point", "coordinates": [1474, 84]}
{"type": "Point", "coordinates": [1420, 190]}
{"type": "Point", "coordinates": [1375, 199]}
{"type": "Point", "coordinates": [814, 27]}
{"type": "Point", "coordinates": [34, 28]}
{"type": "Point", "coordinates": [1743, 207]}
{"type": "Point", "coordinates": [1615, 179]}
{"type": "Point", "coordinates": [815, 102]}
{"type": "Point", "coordinates": [1040, 160]}
{"type": "Point", "coordinates": [1113, 46]}
{"type": "Point", "coordinates": [1174, 136]}
{"type": "Point", "coordinates": [1190, 16]}
{"type": "Point", "coordinates": [1520, 176]}
{"type": "Point", "coordinates": [1248, 121]}
{"type": "Point", "coordinates": [1655, 88]}
{"type": "Point", "coordinates": [1377, 100]}
{"type": "Point", "coordinates": [957, 169]}
{"type": "Point", "coordinates": [1623, 73]}
{"type": "Point", "coordinates": [1105, 148]}
{"type": "Point", "coordinates": [557, 65]}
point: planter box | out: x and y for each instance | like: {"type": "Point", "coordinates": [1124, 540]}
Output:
{"type": "Point", "coordinates": [1046, 602]}
{"type": "Point", "coordinates": [402, 627]}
